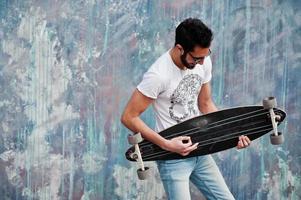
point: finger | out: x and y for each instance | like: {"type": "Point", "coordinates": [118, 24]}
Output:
{"type": "Point", "coordinates": [245, 143]}
{"type": "Point", "coordinates": [186, 145]}
{"type": "Point", "coordinates": [181, 139]}
{"type": "Point", "coordinates": [191, 148]}
{"type": "Point", "coordinates": [239, 144]}
{"type": "Point", "coordinates": [248, 139]}
{"type": "Point", "coordinates": [241, 138]}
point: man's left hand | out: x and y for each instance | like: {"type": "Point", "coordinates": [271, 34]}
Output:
{"type": "Point", "coordinates": [243, 142]}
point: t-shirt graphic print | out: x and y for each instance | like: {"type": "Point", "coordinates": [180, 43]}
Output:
{"type": "Point", "coordinates": [185, 96]}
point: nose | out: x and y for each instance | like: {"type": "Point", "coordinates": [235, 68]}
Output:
{"type": "Point", "coordinates": [201, 62]}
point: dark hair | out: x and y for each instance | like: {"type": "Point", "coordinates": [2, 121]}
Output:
{"type": "Point", "coordinates": [193, 32]}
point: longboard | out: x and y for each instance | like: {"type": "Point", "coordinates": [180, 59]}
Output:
{"type": "Point", "coordinates": [215, 132]}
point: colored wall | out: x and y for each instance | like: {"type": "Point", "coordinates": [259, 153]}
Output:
{"type": "Point", "coordinates": [67, 69]}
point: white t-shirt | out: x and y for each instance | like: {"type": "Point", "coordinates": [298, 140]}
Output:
{"type": "Point", "coordinates": [175, 91]}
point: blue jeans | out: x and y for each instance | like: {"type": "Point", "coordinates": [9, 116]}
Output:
{"type": "Point", "coordinates": [202, 171]}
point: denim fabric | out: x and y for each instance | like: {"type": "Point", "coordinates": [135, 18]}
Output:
{"type": "Point", "coordinates": [202, 171]}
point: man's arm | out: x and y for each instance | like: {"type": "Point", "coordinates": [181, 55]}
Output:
{"type": "Point", "coordinates": [206, 105]}
{"type": "Point", "coordinates": [131, 119]}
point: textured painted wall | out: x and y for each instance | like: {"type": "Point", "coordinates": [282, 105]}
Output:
{"type": "Point", "coordinates": [67, 68]}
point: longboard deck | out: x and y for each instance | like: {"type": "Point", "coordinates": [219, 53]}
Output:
{"type": "Point", "coordinates": [215, 132]}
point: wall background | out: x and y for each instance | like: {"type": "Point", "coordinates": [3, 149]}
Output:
{"type": "Point", "coordinates": [67, 68]}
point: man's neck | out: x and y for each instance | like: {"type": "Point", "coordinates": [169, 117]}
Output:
{"type": "Point", "coordinates": [175, 56]}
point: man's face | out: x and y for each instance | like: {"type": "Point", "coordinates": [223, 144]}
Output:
{"type": "Point", "coordinates": [192, 58]}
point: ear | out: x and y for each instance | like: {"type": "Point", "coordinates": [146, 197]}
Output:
{"type": "Point", "coordinates": [180, 48]}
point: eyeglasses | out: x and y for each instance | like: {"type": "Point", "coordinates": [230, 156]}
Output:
{"type": "Point", "coordinates": [199, 59]}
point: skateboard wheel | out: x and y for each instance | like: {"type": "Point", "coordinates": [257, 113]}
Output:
{"type": "Point", "coordinates": [276, 139]}
{"type": "Point", "coordinates": [143, 174]}
{"type": "Point", "coordinates": [135, 139]}
{"type": "Point", "coordinates": [269, 103]}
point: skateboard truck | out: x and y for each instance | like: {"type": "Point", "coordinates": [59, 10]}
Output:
{"type": "Point", "coordinates": [269, 103]}
{"type": "Point", "coordinates": [143, 172]}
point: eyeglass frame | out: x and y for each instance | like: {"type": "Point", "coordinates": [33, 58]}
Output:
{"type": "Point", "coordinates": [199, 59]}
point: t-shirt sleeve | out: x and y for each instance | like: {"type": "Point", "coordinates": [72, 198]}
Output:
{"type": "Point", "coordinates": [207, 70]}
{"type": "Point", "coordinates": [151, 85]}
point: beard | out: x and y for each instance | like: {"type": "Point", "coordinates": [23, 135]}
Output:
{"type": "Point", "coordinates": [185, 63]}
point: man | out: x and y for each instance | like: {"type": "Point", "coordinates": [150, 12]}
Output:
{"type": "Point", "coordinates": [178, 87]}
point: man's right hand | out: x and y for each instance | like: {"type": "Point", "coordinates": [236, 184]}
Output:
{"type": "Point", "coordinates": [181, 145]}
